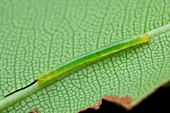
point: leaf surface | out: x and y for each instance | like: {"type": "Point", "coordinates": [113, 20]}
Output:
{"type": "Point", "coordinates": [38, 35]}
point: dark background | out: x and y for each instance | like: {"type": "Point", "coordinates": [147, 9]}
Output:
{"type": "Point", "coordinates": [158, 102]}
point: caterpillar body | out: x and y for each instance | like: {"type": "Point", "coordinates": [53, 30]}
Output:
{"type": "Point", "coordinates": [90, 57]}
{"type": "Point", "coordinates": [73, 64]}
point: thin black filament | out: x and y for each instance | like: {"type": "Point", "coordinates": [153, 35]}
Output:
{"type": "Point", "coordinates": [22, 88]}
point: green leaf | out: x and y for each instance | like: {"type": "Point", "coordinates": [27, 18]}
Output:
{"type": "Point", "coordinates": [38, 35]}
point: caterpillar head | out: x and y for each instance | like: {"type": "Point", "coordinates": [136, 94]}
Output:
{"type": "Point", "coordinates": [145, 37]}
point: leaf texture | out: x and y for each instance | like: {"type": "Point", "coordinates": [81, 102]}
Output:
{"type": "Point", "coordinates": [38, 35]}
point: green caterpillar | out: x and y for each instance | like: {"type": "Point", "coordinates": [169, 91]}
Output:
{"type": "Point", "coordinates": [90, 57]}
